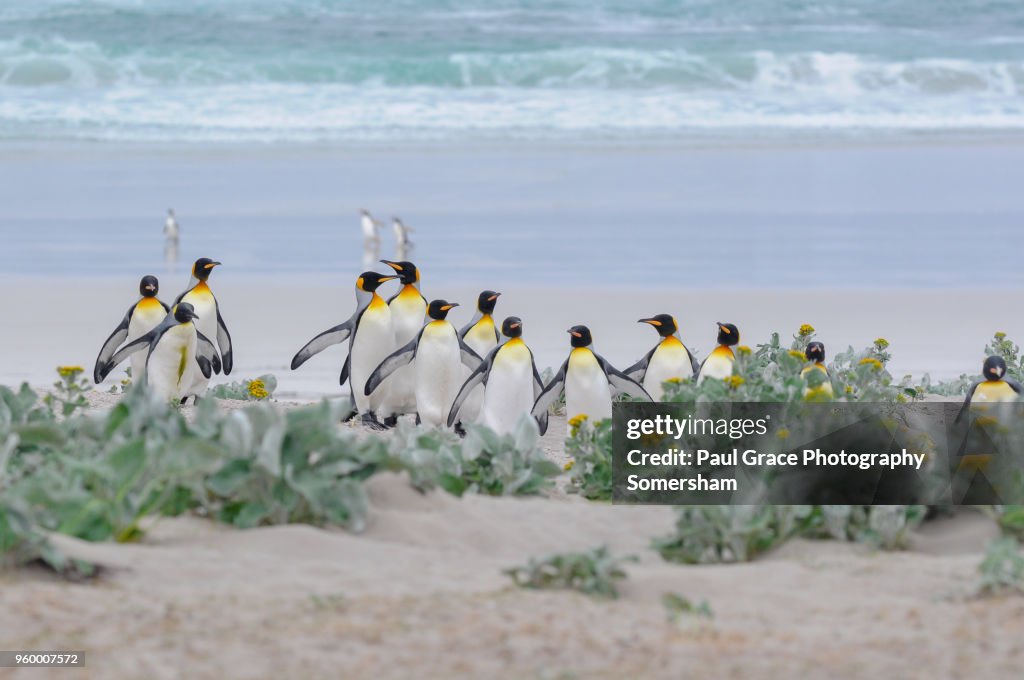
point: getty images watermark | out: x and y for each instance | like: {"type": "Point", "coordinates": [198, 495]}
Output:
{"type": "Point", "coordinates": [817, 453]}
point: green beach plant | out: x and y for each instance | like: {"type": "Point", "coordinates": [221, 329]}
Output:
{"type": "Point", "coordinates": [593, 573]}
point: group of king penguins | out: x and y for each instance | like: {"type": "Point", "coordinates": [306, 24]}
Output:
{"type": "Point", "coordinates": [406, 357]}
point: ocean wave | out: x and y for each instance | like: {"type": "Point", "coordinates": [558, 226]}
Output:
{"type": "Point", "coordinates": [275, 113]}
{"type": "Point", "coordinates": [56, 62]}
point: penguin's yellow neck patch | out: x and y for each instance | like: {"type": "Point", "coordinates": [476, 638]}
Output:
{"type": "Point", "coordinates": [994, 390]}
{"type": "Point", "coordinates": [409, 292]}
{"type": "Point", "coordinates": [377, 303]}
{"type": "Point", "coordinates": [670, 341]}
{"type": "Point", "coordinates": [723, 352]}
{"type": "Point", "coordinates": [148, 304]}
{"type": "Point", "coordinates": [817, 365]}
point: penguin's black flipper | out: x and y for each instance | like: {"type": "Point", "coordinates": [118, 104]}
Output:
{"type": "Point", "coordinates": [224, 342]}
{"type": "Point", "coordinates": [967, 401]}
{"type": "Point", "coordinates": [345, 368]}
{"type": "Point", "coordinates": [205, 351]}
{"type": "Point", "coordinates": [538, 387]}
{"type": "Point", "coordinates": [469, 358]}
{"type": "Point", "coordinates": [164, 305]}
{"type": "Point", "coordinates": [550, 393]}
{"type": "Point", "coordinates": [1014, 385]}
{"type": "Point", "coordinates": [400, 357]}
{"type": "Point", "coordinates": [638, 370]}
{"type": "Point", "coordinates": [477, 377]}
{"type": "Point", "coordinates": [204, 366]}
{"type": "Point", "coordinates": [621, 382]}
{"type": "Point", "coordinates": [130, 349]}
{"type": "Point", "coordinates": [112, 343]}
{"type": "Point", "coordinates": [332, 336]}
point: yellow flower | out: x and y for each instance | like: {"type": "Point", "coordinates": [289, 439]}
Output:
{"type": "Point", "coordinates": [872, 362]}
{"type": "Point", "coordinates": [806, 329]}
{"type": "Point", "coordinates": [1000, 335]}
{"type": "Point", "coordinates": [782, 434]}
{"type": "Point", "coordinates": [734, 381]}
{"type": "Point", "coordinates": [901, 399]}
{"type": "Point", "coordinates": [797, 354]}
{"type": "Point", "coordinates": [569, 465]}
{"type": "Point", "coordinates": [881, 343]}
{"type": "Point", "coordinates": [258, 390]}
{"type": "Point", "coordinates": [577, 420]}
{"type": "Point", "coordinates": [674, 381]}
{"type": "Point", "coordinates": [849, 389]}
{"type": "Point", "coordinates": [743, 349]}
{"type": "Point", "coordinates": [70, 371]}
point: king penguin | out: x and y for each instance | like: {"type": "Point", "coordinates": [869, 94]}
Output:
{"type": "Point", "coordinates": [439, 353]}
{"type": "Point", "coordinates": [815, 354]}
{"type": "Point", "coordinates": [994, 387]}
{"type": "Point", "coordinates": [210, 322]}
{"type": "Point", "coordinates": [175, 353]}
{"type": "Point", "coordinates": [142, 317]}
{"type": "Point", "coordinates": [482, 336]}
{"type": "Point", "coordinates": [371, 337]}
{"type": "Point", "coordinates": [669, 359]}
{"type": "Point", "coordinates": [408, 314]}
{"type": "Point", "coordinates": [719, 363]}
{"type": "Point", "coordinates": [588, 380]}
{"type": "Point", "coordinates": [510, 382]}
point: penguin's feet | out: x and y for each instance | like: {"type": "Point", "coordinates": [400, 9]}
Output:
{"type": "Point", "coordinates": [460, 430]}
{"type": "Point", "coordinates": [370, 420]}
{"type": "Point", "coordinates": [391, 421]}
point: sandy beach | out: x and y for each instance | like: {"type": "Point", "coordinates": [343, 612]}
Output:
{"type": "Point", "coordinates": [422, 589]}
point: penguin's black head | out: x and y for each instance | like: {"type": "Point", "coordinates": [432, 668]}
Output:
{"type": "Point", "coordinates": [815, 352]}
{"type": "Point", "coordinates": [580, 336]}
{"type": "Point", "coordinates": [407, 271]}
{"type": "Point", "coordinates": [371, 281]}
{"type": "Point", "coordinates": [728, 334]}
{"type": "Point", "coordinates": [512, 327]}
{"type": "Point", "coordinates": [663, 323]}
{"type": "Point", "coordinates": [438, 309]}
{"type": "Point", "coordinates": [203, 268]}
{"type": "Point", "coordinates": [994, 368]}
{"type": "Point", "coordinates": [184, 312]}
{"type": "Point", "coordinates": [149, 286]}
{"type": "Point", "coordinates": [485, 303]}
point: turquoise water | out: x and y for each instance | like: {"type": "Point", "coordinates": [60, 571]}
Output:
{"type": "Point", "coordinates": [327, 70]}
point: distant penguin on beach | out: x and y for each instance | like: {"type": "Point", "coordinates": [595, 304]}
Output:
{"type": "Point", "coordinates": [371, 237]}
{"type": "Point", "coordinates": [588, 381]}
{"type": "Point", "coordinates": [371, 337]}
{"type": "Point", "coordinates": [403, 245]}
{"type": "Point", "coordinates": [172, 234]}
{"type": "Point", "coordinates": [720, 362]}
{"type": "Point", "coordinates": [210, 321]}
{"type": "Point", "coordinates": [142, 317]}
{"type": "Point", "coordinates": [439, 353]}
{"type": "Point", "coordinates": [993, 387]}
{"type": "Point", "coordinates": [669, 359]}
{"type": "Point", "coordinates": [175, 352]}
{"type": "Point", "coordinates": [510, 383]}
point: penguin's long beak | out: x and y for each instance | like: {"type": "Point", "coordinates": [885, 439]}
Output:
{"type": "Point", "coordinates": [387, 278]}
{"type": "Point", "coordinates": [394, 265]}
{"type": "Point", "coordinates": [722, 328]}
{"type": "Point", "coordinates": [212, 265]}
{"type": "Point", "coordinates": [151, 287]}
{"type": "Point", "coordinates": [493, 297]}
{"type": "Point", "coordinates": [653, 322]}
{"type": "Point", "coordinates": [450, 305]}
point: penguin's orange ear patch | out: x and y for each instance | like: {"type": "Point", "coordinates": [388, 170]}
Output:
{"type": "Point", "coordinates": [359, 283]}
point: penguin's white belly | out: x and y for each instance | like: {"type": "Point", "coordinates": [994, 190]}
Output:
{"type": "Point", "coordinates": [374, 341]}
{"type": "Point", "coordinates": [667, 362]}
{"type": "Point", "coordinates": [407, 318]}
{"type": "Point", "coordinates": [718, 365]}
{"type": "Point", "coordinates": [509, 392]}
{"type": "Point", "coordinates": [205, 306]}
{"type": "Point", "coordinates": [586, 388]}
{"type": "Point", "coordinates": [438, 373]}
{"type": "Point", "coordinates": [145, 318]}
{"type": "Point", "coordinates": [482, 338]}
{"type": "Point", "coordinates": [171, 367]}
